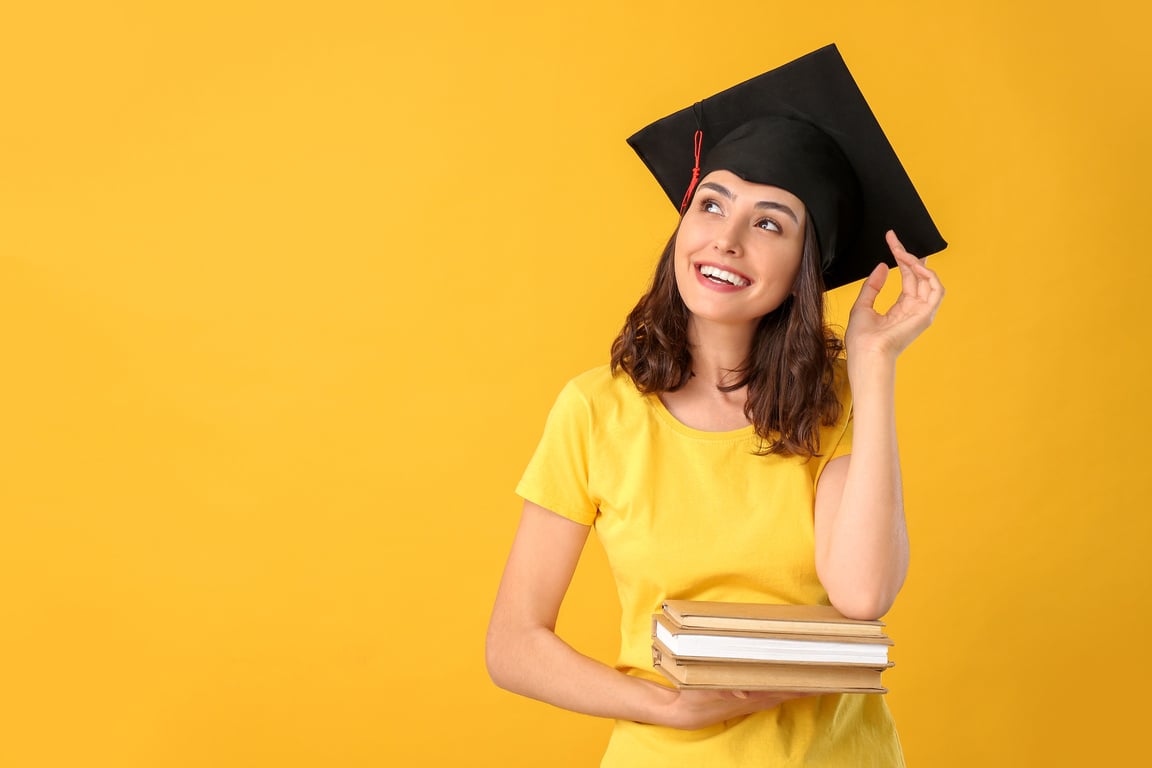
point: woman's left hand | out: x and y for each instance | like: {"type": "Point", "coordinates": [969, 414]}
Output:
{"type": "Point", "coordinates": [870, 332]}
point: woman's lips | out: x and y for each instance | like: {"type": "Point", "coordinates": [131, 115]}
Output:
{"type": "Point", "coordinates": [720, 278]}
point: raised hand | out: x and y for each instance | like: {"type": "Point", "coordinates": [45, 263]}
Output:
{"type": "Point", "coordinates": [870, 332]}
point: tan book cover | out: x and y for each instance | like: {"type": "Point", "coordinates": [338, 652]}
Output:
{"type": "Point", "coordinates": [764, 676]}
{"type": "Point", "coordinates": [750, 647]}
{"type": "Point", "coordinates": [764, 617]}
{"type": "Point", "coordinates": [676, 628]}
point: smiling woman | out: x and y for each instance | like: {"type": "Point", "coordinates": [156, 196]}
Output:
{"type": "Point", "coordinates": [736, 227]}
{"type": "Point", "coordinates": [729, 451]}
{"type": "Point", "coordinates": [736, 255]}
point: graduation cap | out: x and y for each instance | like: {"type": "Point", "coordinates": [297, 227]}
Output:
{"type": "Point", "coordinates": [804, 127]}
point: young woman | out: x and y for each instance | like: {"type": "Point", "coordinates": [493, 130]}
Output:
{"type": "Point", "coordinates": [731, 450]}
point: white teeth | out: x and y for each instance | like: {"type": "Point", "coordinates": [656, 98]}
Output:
{"type": "Point", "coordinates": [722, 274]}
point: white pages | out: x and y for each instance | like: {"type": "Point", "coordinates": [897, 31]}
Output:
{"type": "Point", "coordinates": [772, 649]}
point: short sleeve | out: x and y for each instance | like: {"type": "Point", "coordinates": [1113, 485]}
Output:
{"type": "Point", "coordinates": [557, 475]}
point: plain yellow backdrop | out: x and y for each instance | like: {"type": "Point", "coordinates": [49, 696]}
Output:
{"type": "Point", "coordinates": [286, 290]}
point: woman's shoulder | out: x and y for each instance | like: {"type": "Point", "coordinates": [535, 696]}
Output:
{"type": "Point", "coordinates": [601, 392]}
{"type": "Point", "coordinates": [600, 382]}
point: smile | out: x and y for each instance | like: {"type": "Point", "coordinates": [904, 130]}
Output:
{"type": "Point", "coordinates": [723, 276]}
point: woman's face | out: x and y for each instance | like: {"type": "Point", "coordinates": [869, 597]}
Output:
{"type": "Point", "coordinates": [738, 249]}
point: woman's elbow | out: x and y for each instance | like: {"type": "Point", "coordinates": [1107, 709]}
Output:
{"type": "Point", "coordinates": [864, 602]}
{"type": "Point", "coordinates": [862, 606]}
{"type": "Point", "coordinates": [496, 657]}
{"type": "Point", "coordinates": [506, 647]}
{"type": "Point", "coordinates": [863, 594]}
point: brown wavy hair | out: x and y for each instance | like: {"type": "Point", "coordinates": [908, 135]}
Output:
{"type": "Point", "coordinates": [790, 371]}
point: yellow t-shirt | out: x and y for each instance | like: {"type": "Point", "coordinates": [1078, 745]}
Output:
{"type": "Point", "coordinates": [698, 515]}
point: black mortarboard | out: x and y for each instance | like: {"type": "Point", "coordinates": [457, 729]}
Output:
{"type": "Point", "coordinates": [804, 127]}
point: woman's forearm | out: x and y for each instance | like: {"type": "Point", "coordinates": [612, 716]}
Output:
{"type": "Point", "coordinates": [863, 542]}
{"type": "Point", "coordinates": [535, 662]}
{"type": "Point", "coordinates": [861, 537]}
{"type": "Point", "coordinates": [523, 652]}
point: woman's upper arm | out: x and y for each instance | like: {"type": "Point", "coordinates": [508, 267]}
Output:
{"type": "Point", "coordinates": [539, 569]}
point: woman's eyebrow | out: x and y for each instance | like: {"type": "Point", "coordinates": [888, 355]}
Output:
{"type": "Point", "coordinates": [778, 207]}
{"type": "Point", "coordinates": [714, 186]}
{"type": "Point", "coordinates": [770, 205]}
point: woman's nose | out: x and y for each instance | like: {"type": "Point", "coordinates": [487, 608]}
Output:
{"type": "Point", "coordinates": [727, 241]}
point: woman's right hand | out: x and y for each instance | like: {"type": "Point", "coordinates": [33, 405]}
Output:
{"type": "Point", "coordinates": [698, 708]}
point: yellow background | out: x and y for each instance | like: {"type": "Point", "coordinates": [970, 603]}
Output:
{"type": "Point", "coordinates": [288, 288]}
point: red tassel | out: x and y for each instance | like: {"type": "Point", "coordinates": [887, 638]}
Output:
{"type": "Point", "coordinates": [697, 141]}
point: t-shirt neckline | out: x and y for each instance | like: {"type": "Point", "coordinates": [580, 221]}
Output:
{"type": "Point", "coordinates": [666, 416]}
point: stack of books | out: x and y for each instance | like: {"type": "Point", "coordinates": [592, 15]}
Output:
{"type": "Point", "coordinates": [760, 647]}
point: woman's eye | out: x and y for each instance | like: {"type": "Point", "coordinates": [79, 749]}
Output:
{"type": "Point", "coordinates": [710, 206]}
{"type": "Point", "coordinates": [768, 225]}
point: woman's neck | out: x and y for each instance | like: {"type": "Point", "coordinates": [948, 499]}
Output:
{"type": "Point", "coordinates": [717, 350]}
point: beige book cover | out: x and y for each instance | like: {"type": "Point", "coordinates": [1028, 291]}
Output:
{"type": "Point", "coordinates": [676, 628]}
{"type": "Point", "coordinates": [764, 676]}
{"type": "Point", "coordinates": [765, 617]}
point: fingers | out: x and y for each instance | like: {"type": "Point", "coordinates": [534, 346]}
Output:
{"type": "Point", "coordinates": [917, 281]}
{"type": "Point", "coordinates": [769, 697]}
{"type": "Point", "coordinates": [871, 287]}
{"type": "Point", "coordinates": [905, 262]}
{"type": "Point", "coordinates": [913, 273]}
{"type": "Point", "coordinates": [697, 709]}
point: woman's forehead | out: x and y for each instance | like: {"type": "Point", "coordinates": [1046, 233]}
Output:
{"type": "Point", "coordinates": [731, 185]}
